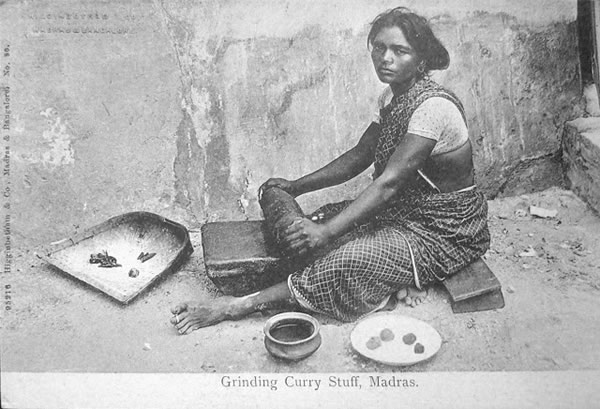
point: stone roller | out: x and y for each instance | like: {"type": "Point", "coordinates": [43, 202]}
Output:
{"type": "Point", "coordinates": [280, 209]}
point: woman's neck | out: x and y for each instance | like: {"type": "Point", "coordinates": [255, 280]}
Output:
{"type": "Point", "coordinates": [401, 88]}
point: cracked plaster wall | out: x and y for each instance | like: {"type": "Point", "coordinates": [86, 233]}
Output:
{"type": "Point", "coordinates": [184, 108]}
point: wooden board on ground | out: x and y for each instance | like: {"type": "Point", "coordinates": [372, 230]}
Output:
{"type": "Point", "coordinates": [484, 302]}
{"type": "Point", "coordinates": [124, 238]}
{"type": "Point", "coordinates": [473, 280]}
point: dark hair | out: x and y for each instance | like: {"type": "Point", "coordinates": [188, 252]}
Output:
{"type": "Point", "coordinates": [418, 34]}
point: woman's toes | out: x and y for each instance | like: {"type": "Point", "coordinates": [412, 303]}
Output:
{"type": "Point", "coordinates": [183, 322]}
{"type": "Point", "coordinates": [178, 309]}
{"type": "Point", "coordinates": [192, 328]}
{"type": "Point", "coordinates": [402, 293]}
{"type": "Point", "coordinates": [183, 329]}
{"type": "Point", "coordinates": [415, 292]}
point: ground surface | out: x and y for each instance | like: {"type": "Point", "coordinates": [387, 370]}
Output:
{"type": "Point", "coordinates": [549, 269]}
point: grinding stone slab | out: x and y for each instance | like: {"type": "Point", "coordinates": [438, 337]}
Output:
{"type": "Point", "coordinates": [239, 257]}
{"type": "Point", "coordinates": [123, 237]}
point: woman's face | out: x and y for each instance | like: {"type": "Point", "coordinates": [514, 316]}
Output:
{"type": "Point", "coordinates": [394, 59]}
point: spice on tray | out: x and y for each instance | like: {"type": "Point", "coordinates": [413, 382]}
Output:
{"type": "Point", "coordinates": [104, 260]}
{"type": "Point", "coordinates": [386, 335]}
{"type": "Point", "coordinates": [419, 349]}
{"type": "Point", "coordinates": [373, 343]}
{"type": "Point", "coordinates": [143, 257]}
{"type": "Point", "coordinates": [409, 338]}
{"type": "Point", "coordinates": [134, 272]}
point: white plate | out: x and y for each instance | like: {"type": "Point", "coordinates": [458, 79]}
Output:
{"type": "Point", "coordinates": [366, 339]}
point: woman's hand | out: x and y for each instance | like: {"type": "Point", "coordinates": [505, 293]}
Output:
{"type": "Point", "coordinates": [283, 184]}
{"type": "Point", "coordinates": [303, 236]}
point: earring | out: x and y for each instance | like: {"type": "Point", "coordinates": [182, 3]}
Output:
{"type": "Point", "coordinates": [421, 67]}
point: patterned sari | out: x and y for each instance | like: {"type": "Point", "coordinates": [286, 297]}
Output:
{"type": "Point", "coordinates": [423, 236]}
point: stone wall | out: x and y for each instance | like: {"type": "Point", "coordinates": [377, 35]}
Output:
{"type": "Point", "coordinates": [581, 151]}
{"type": "Point", "coordinates": [581, 159]}
{"type": "Point", "coordinates": [184, 108]}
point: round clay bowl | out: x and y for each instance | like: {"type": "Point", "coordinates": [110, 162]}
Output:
{"type": "Point", "coordinates": [292, 335]}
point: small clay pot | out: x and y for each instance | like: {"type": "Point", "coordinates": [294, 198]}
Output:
{"type": "Point", "coordinates": [292, 335]}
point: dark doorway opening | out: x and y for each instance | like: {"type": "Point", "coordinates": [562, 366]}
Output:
{"type": "Point", "coordinates": [586, 40]}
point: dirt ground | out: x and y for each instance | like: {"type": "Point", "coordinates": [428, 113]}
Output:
{"type": "Point", "coordinates": [549, 269]}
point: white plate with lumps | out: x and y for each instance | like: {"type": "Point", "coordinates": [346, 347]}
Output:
{"type": "Point", "coordinates": [394, 339]}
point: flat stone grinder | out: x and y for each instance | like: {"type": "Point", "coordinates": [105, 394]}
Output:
{"type": "Point", "coordinates": [242, 257]}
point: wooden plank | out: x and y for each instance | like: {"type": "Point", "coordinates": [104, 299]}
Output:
{"type": "Point", "coordinates": [485, 302]}
{"type": "Point", "coordinates": [474, 280]}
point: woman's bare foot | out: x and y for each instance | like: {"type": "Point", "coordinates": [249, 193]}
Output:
{"type": "Point", "coordinates": [189, 317]}
{"type": "Point", "coordinates": [411, 296]}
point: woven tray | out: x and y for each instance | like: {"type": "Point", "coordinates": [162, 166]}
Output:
{"type": "Point", "coordinates": [123, 237]}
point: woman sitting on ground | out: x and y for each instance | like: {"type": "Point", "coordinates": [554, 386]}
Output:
{"type": "Point", "coordinates": [419, 221]}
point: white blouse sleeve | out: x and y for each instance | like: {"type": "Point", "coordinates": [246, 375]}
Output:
{"type": "Point", "coordinates": [439, 119]}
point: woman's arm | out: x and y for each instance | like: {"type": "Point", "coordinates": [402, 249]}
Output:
{"type": "Point", "coordinates": [345, 167]}
{"type": "Point", "coordinates": [340, 170]}
{"type": "Point", "coordinates": [401, 169]}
